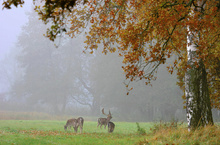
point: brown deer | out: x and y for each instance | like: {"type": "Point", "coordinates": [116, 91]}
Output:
{"type": "Point", "coordinates": [80, 122]}
{"type": "Point", "coordinates": [75, 123]}
{"type": "Point", "coordinates": [111, 127]}
{"type": "Point", "coordinates": [70, 123]}
{"type": "Point", "coordinates": [104, 121]}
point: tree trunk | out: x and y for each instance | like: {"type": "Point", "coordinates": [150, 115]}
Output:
{"type": "Point", "coordinates": [198, 106]}
{"type": "Point", "coordinates": [63, 109]}
{"type": "Point", "coordinates": [95, 110]}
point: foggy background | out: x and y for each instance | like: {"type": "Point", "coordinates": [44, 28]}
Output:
{"type": "Point", "coordinates": [35, 76]}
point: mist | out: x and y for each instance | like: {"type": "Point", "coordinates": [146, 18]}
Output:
{"type": "Point", "coordinates": [57, 78]}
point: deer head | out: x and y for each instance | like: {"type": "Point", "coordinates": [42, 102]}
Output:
{"type": "Point", "coordinates": [109, 115]}
{"type": "Point", "coordinates": [111, 127]}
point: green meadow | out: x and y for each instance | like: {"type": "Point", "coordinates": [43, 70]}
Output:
{"type": "Point", "coordinates": [51, 132]}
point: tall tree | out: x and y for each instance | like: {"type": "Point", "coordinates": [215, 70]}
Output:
{"type": "Point", "coordinates": [50, 75]}
{"type": "Point", "coordinates": [196, 89]}
{"type": "Point", "coordinates": [146, 33]}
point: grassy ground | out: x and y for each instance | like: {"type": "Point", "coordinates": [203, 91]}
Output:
{"type": "Point", "coordinates": [51, 132]}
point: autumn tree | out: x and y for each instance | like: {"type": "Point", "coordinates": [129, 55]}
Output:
{"type": "Point", "coordinates": [146, 33]}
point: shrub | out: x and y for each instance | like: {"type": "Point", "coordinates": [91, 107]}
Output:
{"type": "Point", "coordinates": [173, 124]}
{"type": "Point", "coordinates": [140, 130]}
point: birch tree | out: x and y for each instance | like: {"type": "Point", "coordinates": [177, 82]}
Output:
{"type": "Point", "coordinates": [198, 106]}
{"type": "Point", "coordinates": [146, 33]}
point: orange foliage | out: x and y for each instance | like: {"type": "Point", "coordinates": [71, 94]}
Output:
{"type": "Point", "coordinates": [146, 33]}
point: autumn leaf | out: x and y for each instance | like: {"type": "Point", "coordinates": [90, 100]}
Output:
{"type": "Point", "coordinates": [144, 33]}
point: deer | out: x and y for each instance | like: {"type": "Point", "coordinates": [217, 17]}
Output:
{"type": "Point", "coordinates": [75, 123]}
{"type": "Point", "coordinates": [80, 122]}
{"type": "Point", "coordinates": [111, 127]}
{"type": "Point", "coordinates": [104, 121]}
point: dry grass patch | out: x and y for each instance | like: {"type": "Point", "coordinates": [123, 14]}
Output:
{"type": "Point", "coordinates": [208, 135]}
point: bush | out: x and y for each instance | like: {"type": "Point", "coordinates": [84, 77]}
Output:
{"type": "Point", "coordinates": [173, 124]}
{"type": "Point", "coordinates": [140, 130]}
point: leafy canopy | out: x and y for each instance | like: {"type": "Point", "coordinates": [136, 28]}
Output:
{"type": "Point", "coordinates": [144, 32]}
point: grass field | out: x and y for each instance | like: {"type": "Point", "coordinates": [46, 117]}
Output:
{"type": "Point", "coordinates": [50, 132]}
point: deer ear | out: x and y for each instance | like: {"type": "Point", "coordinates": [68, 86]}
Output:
{"type": "Point", "coordinates": [110, 112]}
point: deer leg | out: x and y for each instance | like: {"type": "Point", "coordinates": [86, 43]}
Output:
{"type": "Point", "coordinates": [75, 128]}
{"type": "Point", "coordinates": [98, 125]}
{"type": "Point", "coordinates": [81, 129]}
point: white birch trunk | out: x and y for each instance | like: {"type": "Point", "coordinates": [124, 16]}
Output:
{"type": "Point", "coordinates": [191, 48]}
{"type": "Point", "coordinates": [198, 106]}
